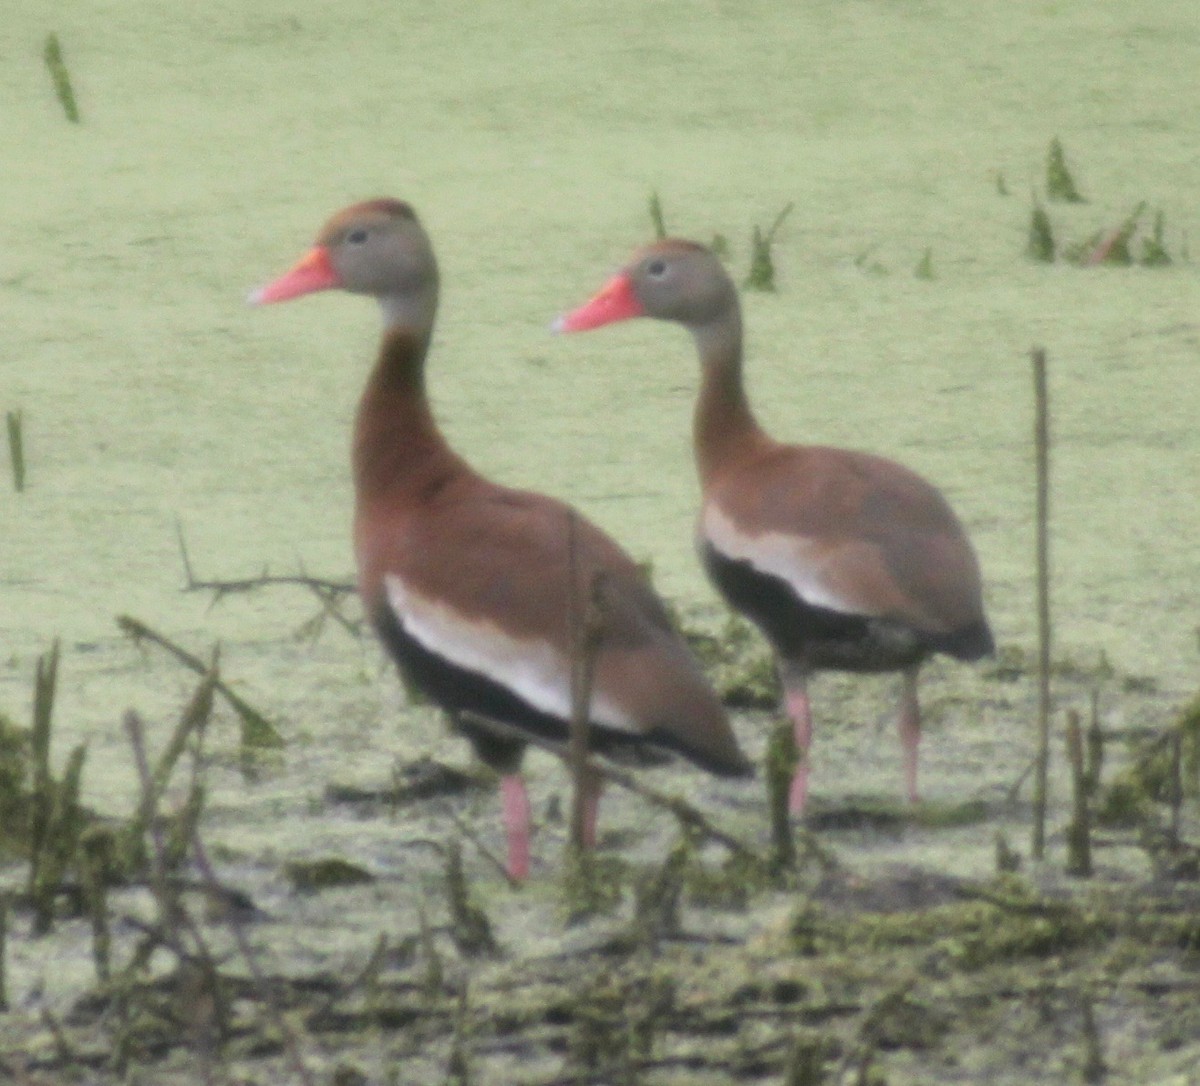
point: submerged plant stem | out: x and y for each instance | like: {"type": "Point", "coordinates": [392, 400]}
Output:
{"type": "Point", "coordinates": [16, 448]}
{"type": "Point", "coordinates": [57, 67]}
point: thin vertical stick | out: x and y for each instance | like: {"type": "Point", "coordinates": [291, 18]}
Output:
{"type": "Point", "coordinates": [1176, 786]}
{"type": "Point", "coordinates": [583, 623]}
{"type": "Point", "coordinates": [41, 793]}
{"type": "Point", "coordinates": [1079, 839]}
{"type": "Point", "coordinates": [16, 448]}
{"type": "Point", "coordinates": [3, 952]}
{"type": "Point", "coordinates": [782, 756]}
{"type": "Point", "coordinates": [1093, 747]}
{"type": "Point", "coordinates": [1041, 443]}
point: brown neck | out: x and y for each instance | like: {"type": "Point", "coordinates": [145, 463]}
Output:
{"type": "Point", "coordinates": [723, 418]}
{"type": "Point", "coordinates": [398, 448]}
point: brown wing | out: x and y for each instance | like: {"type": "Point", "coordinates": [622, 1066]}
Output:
{"type": "Point", "coordinates": [479, 574]}
{"type": "Point", "coordinates": [850, 531]}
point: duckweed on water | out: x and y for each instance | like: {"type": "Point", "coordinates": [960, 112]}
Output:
{"type": "Point", "coordinates": [527, 160]}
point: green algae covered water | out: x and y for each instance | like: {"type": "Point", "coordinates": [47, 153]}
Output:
{"type": "Point", "coordinates": [215, 139]}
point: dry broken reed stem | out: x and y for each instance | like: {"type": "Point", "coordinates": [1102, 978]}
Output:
{"type": "Point", "coordinates": [95, 854]}
{"type": "Point", "coordinates": [328, 592]}
{"type": "Point", "coordinates": [289, 1037]}
{"type": "Point", "coordinates": [56, 819]}
{"type": "Point", "coordinates": [257, 730]}
{"type": "Point", "coordinates": [4, 900]}
{"type": "Point", "coordinates": [1094, 1068]}
{"type": "Point", "coordinates": [173, 918]}
{"type": "Point", "coordinates": [1093, 746]}
{"type": "Point", "coordinates": [780, 766]}
{"type": "Point", "coordinates": [41, 801]}
{"type": "Point", "coordinates": [860, 1054]}
{"type": "Point", "coordinates": [1176, 792]}
{"type": "Point", "coordinates": [463, 828]}
{"type": "Point", "coordinates": [1079, 840]}
{"type": "Point", "coordinates": [1041, 444]}
{"type": "Point", "coordinates": [470, 929]}
{"type": "Point", "coordinates": [585, 622]}
{"type": "Point", "coordinates": [458, 1064]}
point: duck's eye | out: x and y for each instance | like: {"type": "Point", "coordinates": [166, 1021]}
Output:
{"type": "Point", "coordinates": [356, 237]}
{"type": "Point", "coordinates": [656, 268]}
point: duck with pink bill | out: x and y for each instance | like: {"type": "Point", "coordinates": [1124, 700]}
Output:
{"type": "Point", "coordinates": [468, 583]}
{"type": "Point", "coordinates": [846, 561]}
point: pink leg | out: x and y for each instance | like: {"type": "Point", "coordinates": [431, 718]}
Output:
{"type": "Point", "coordinates": [515, 802]}
{"type": "Point", "coordinates": [909, 722]}
{"type": "Point", "coordinates": [798, 708]}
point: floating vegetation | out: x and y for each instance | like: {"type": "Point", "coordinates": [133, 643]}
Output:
{"type": "Point", "coordinates": [762, 267]}
{"type": "Point", "coordinates": [14, 800]}
{"type": "Point", "coordinates": [311, 876]}
{"type": "Point", "coordinates": [55, 816]}
{"type": "Point", "coordinates": [1108, 247]}
{"type": "Point", "coordinates": [1118, 245]}
{"type": "Point", "coordinates": [737, 661]}
{"type": "Point", "coordinates": [656, 216]}
{"type": "Point", "coordinates": [865, 261]}
{"type": "Point", "coordinates": [1060, 185]}
{"type": "Point", "coordinates": [1154, 249]}
{"type": "Point", "coordinates": [16, 448]}
{"type": "Point", "coordinates": [56, 66]}
{"type": "Point", "coordinates": [1040, 246]}
{"type": "Point", "coordinates": [1112, 246]}
{"type": "Point", "coordinates": [761, 275]}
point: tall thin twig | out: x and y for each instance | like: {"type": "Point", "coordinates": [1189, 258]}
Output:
{"type": "Point", "coordinates": [584, 624]}
{"type": "Point", "coordinates": [328, 592]}
{"type": "Point", "coordinates": [1079, 839]}
{"type": "Point", "coordinates": [1041, 444]}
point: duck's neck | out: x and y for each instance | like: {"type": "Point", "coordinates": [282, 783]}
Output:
{"type": "Point", "coordinates": [398, 449]}
{"type": "Point", "coordinates": [723, 419]}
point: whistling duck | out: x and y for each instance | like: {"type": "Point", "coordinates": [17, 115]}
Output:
{"type": "Point", "coordinates": [845, 561]}
{"type": "Point", "coordinates": [466, 582]}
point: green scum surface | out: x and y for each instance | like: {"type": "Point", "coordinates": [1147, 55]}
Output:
{"type": "Point", "coordinates": [214, 139]}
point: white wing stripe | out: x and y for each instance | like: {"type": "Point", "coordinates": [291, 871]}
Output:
{"type": "Point", "coordinates": [533, 670]}
{"type": "Point", "coordinates": [793, 559]}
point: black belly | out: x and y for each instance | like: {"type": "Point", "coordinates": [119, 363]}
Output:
{"type": "Point", "coordinates": [459, 690]}
{"type": "Point", "coordinates": [820, 638]}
